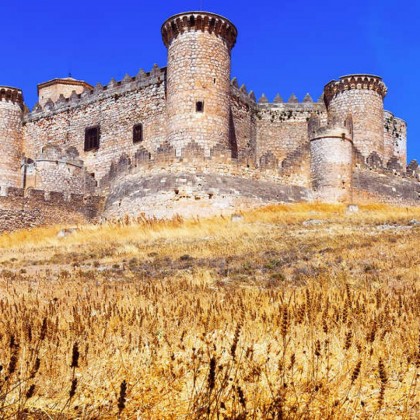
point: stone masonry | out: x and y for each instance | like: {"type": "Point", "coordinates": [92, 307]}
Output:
{"type": "Point", "coordinates": [187, 139]}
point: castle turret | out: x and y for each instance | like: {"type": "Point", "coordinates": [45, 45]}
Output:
{"type": "Point", "coordinates": [52, 89]}
{"type": "Point", "coordinates": [332, 163]}
{"type": "Point", "coordinates": [11, 109]}
{"type": "Point", "coordinates": [360, 96]}
{"type": "Point", "coordinates": [198, 79]}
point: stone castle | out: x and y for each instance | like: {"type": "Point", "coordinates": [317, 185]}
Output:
{"type": "Point", "coordinates": [188, 140]}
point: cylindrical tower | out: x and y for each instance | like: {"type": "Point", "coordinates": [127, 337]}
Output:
{"type": "Point", "coordinates": [361, 96]}
{"type": "Point", "coordinates": [11, 108]}
{"type": "Point", "coordinates": [198, 79]}
{"type": "Point", "coordinates": [332, 164]}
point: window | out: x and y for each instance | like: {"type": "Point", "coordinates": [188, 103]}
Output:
{"type": "Point", "coordinates": [199, 106]}
{"type": "Point", "coordinates": [92, 135]}
{"type": "Point", "coordinates": [138, 133]}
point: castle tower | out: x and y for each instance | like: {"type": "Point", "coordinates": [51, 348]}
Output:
{"type": "Point", "coordinates": [198, 80]}
{"type": "Point", "coordinates": [332, 164]}
{"type": "Point", "coordinates": [11, 108]}
{"type": "Point", "coordinates": [360, 96]}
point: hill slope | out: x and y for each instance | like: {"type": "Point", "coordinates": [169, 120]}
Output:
{"type": "Point", "coordinates": [298, 311]}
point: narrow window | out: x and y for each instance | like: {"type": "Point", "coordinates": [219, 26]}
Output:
{"type": "Point", "coordinates": [199, 106]}
{"type": "Point", "coordinates": [138, 133]}
{"type": "Point", "coordinates": [92, 135]}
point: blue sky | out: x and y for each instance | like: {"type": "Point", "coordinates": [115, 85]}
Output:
{"type": "Point", "coordinates": [285, 47]}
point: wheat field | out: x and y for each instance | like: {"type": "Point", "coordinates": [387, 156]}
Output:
{"type": "Point", "coordinates": [287, 312]}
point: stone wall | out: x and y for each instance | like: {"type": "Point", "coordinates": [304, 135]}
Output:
{"type": "Point", "coordinates": [116, 108]}
{"type": "Point", "coordinates": [58, 170]}
{"type": "Point", "coordinates": [282, 135]}
{"type": "Point", "coordinates": [243, 125]}
{"type": "Point", "coordinates": [191, 193]}
{"type": "Point", "coordinates": [373, 186]}
{"type": "Point", "coordinates": [19, 209]}
{"type": "Point", "coordinates": [395, 141]}
{"type": "Point", "coordinates": [60, 176]}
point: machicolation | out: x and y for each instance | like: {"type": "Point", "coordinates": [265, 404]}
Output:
{"type": "Point", "coordinates": [187, 139]}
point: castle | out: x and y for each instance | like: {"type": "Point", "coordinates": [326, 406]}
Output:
{"type": "Point", "coordinates": [186, 139]}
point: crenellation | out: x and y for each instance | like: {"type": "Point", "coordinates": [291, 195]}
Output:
{"type": "Point", "coordinates": [130, 142]}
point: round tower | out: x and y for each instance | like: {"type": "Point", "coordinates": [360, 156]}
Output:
{"type": "Point", "coordinates": [360, 96]}
{"type": "Point", "coordinates": [11, 110]}
{"type": "Point", "coordinates": [332, 164]}
{"type": "Point", "coordinates": [198, 80]}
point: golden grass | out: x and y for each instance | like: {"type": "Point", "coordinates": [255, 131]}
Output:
{"type": "Point", "coordinates": [269, 317]}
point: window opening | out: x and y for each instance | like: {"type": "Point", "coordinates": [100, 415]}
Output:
{"type": "Point", "coordinates": [138, 133]}
{"type": "Point", "coordinates": [92, 135]}
{"type": "Point", "coordinates": [199, 106]}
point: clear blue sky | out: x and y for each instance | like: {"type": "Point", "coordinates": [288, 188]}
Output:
{"type": "Point", "coordinates": [293, 46]}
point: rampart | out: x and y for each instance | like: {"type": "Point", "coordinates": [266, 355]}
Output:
{"type": "Point", "coordinates": [23, 209]}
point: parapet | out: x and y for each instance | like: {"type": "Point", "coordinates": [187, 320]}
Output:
{"type": "Point", "coordinates": [11, 94]}
{"type": "Point", "coordinates": [352, 82]}
{"type": "Point", "coordinates": [292, 104]}
{"type": "Point", "coordinates": [199, 21]}
{"type": "Point", "coordinates": [89, 95]}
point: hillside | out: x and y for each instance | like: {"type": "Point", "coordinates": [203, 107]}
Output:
{"type": "Point", "coordinates": [300, 311]}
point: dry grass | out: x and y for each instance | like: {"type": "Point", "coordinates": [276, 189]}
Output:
{"type": "Point", "coordinates": [269, 318]}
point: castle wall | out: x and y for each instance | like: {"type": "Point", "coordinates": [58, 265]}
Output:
{"type": "Point", "coordinates": [116, 108]}
{"type": "Point", "coordinates": [20, 210]}
{"type": "Point", "coordinates": [60, 176]}
{"type": "Point", "coordinates": [11, 104]}
{"type": "Point", "coordinates": [243, 127]}
{"type": "Point", "coordinates": [373, 187]}
{"type": "Point", "coordinates": [188, 191]}
{"type": "Point", "coordinates": [283, 129]}
{"type": "Point", "coordinates": [395, 140]}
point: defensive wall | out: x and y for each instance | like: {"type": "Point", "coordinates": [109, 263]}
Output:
{"type": "Point", "coordinates": [29, 208]}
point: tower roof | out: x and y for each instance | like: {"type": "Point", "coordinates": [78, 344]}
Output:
{"type": "Point", "coordinates": [64, 81]}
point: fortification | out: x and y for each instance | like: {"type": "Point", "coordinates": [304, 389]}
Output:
{"type": "Point", "coordinates": [198, 80]}
{"type": "Point", "coordinates": [360, 96]}
{"type": "Point", "coordinates": [332, 164]}
{"type": "Point", "coordinates": [11, 112]}
{"type": "Point", "coordinates": [185, 139]}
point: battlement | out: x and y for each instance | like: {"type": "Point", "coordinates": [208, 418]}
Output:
{"type": "Point", "coordinates": [242, 93]}
{"type": "Point", "coordinates": [292, 104]}
{"type": "Point", "coordinates": [128, 84]}
{"type": "Point", "coordinates": [199, 21]}
{"type": "Point", "coordinates": [10, 94]}
{"type": "Point", "coordinates": [352, 82]}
